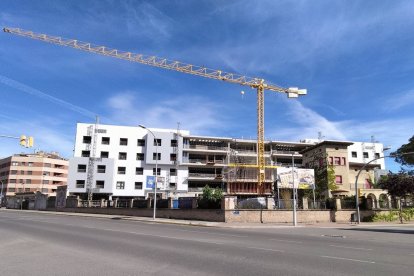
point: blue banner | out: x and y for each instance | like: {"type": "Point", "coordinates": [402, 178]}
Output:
{"type": "Point", "coordinates": [150, 182]}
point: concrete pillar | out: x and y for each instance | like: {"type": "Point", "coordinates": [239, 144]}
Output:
{"type": "Point", "coordinates": [148, 203]}
{"type": "Point", "coordinates": [131, 203]}
{"type": "Point", "coordinates": [338, 204]}
{"type": "Point", "coordinates": [228, 202]}
{"type": "Point", "coordinates": [389, 202]}
{"type": "Point", "coordinates": [194, 203]}
{"type": "Point", "coordinates": [116, 203]}
{"type": "Point", "coordinates": [270, 203]}
{"type": "Point", "coordinates": [170, 203]}
{"type": "Point", "coordinates": [305, 203]}
{"type": "Point", "coordinates": [103, 203]}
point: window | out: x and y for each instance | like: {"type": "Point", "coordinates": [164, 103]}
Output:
{"type": "Point", "coordinates": [47, 165]}
{"type": "Point", "coordinates": [154, 156]}
{"type": "Point", "coordinates": [21, 172]}
{"type": "Point", "coordinates": [15, 163]}
{"type": "Point", "coordinates": [343, 161]}
{"type": "Point", "coordinates": [100, 184]}
{"type": "Point", "coordinates": [138, 185]}
{"type": "Point", "coordinates": [337, 161]}
{"type": "Point", "coordinates": [121, 170]}
{"type": "Point", "coordinates": [101, 168]}
{"type": "Point", "coordinates": [27, 189]}
{"type": "Point", "coordinates": [158, 171]}
{"type": "Point", "coordinates": [81, 168]}
{"type": "Point", "coordinates": [23, 163]}
{"type": "Point", "coordinates": [140, 156]}
{"type": "Point", "coordinates": [105, 140]}
{"type": "Point", "coordinates": [141, 143]}
{"type": "Point", "coordinates": [80, 184]}
{"type": "Point", "coordinates": [354, 154]}
{"type": "Point", "coordinates": [139, 171]}
{"type": "Point", "coordinates": [174, 143]}
{"type": "Point", "coordinates": [46, 173]}
{"type": "Point", "coordinates": [330, 161]}
{"type": "Point", "coordinates": [47, 181]}
{"type": "Point", "coordinates": [104, 154]}
{"type": "Point", "coordinates": [122, 156]}
{"type": "Point", "coordinates": [85, 153]}
{"type": "Point", "coordinates": [28, 181]}
{"type": "Point", "coordinates": [12, 189]}
{"type": "Point", "coordinates": [172, 185]}
{"type": "Point", "coordinates": [12, 181]}
{"type": "Point", "coordinates": [365, 154]}
{"type": "Point", "coordinates": [120, 185]}
{"type": "Point", "coordinates": [173, 157]}
{"type": "Point", "coordinates": [30, 164]}
{"type": "Point", "coordinates": [13, 172]}
{"type": "Point", "coordinates": [87, 139]}
{"type": "Point", "coordinates": [173, 172]}
{"type": "Point", "coordinates": [29, 173]}
{"type": "Point", "coordinates": [377, 155]}
{"type": "Point", "coordinates": [157, 142]}
{"type": "Point", "coordinates": [123, 141]}
{"type": "Point", "coordinates": [338, 179]}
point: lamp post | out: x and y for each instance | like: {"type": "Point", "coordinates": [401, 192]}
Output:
{"type": "Point", "coordinates": [359, 172]}
{"type": "Point", "coordinates": [156, 170]}
{"type": "Point", "coordinates": [295, 222]}
{"type": "Point", "coordinates": [1, 195]}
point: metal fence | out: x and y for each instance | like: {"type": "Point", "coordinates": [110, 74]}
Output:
{"type": "Point", "coordinates": [140, 203]}
{"type": "Point", "coordinates": [318, 205]}
{"type": "Point", "coordinates": [347, 204]}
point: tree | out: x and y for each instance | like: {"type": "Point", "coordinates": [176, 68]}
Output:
{"type": "Point", "coordinates": [211, 198]}
{"type": "Point", "coordinates": [405, 160]}
{"type": "Point", "coordinates": [399, 185]}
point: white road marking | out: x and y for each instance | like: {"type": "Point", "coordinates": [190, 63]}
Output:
{"type": "Point", "coordinates": [209, 233]}
{"type": "Point", "coordinates": [266, 249]}
{"type": "Point", "coordinates": [348, 247]}
{"type": "Point", "coordinates": [286, 241]}
{"type": "Point", "coordinates": [346, 259]}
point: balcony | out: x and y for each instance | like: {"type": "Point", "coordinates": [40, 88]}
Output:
{"type": "Point", "coordinates": [205, 176]}
{"type": "Point", "coordinates": [203, 148]}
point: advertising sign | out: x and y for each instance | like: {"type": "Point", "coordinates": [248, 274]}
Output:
{"type": "Point", "coordinates": [150, 182]}
{"type": "Point", "coordinates": [301, 179]}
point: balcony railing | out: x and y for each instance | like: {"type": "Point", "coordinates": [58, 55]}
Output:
{"type": "Point", "coordinates": [204, 147]}
{"type": "Point", "coordinates": [207, 175]}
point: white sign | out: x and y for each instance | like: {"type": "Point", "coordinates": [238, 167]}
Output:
{"type": "Point", "coordinates": [301, 178]}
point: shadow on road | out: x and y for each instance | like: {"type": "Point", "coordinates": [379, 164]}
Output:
{"type": "Point", "coordinates": [382, 230]}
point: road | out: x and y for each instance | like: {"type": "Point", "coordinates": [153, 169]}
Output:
{"type": "Point", "coordinates": [50, 244]}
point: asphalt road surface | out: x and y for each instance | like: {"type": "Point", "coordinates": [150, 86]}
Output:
{"type": "Point", "coordinates": [49, 244]}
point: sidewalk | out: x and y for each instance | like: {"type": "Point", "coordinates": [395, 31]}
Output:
{"type": "Point", "coordinates": [239, 225]}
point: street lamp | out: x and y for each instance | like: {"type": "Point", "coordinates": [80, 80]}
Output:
{"type": "Point", "coordinates": [1, 195]}
{"type": "Point", "coordinates": [360, 170]}
{"type": "Point", "coordinates": [156, 170]}
{"type": "Point", "coordinates": [295, 222]}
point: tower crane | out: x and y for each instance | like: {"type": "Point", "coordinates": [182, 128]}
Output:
{"type": "Point", "coordinates": [256, 83]}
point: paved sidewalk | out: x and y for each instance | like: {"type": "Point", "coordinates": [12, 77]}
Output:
{"type": "Point", "coordinates": [240, 225]}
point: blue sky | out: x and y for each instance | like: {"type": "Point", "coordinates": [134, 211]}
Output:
{"type": "Point", "coordinates": [356, 58]}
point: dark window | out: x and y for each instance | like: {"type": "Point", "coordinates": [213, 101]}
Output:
{"type": "Point", "coordinates": [338, 179]}
{"type": "Point", "coordinates": [29, 172]}
{"type": "Point", "coordinates": [100, 184]}
{"type": "Point", "coordinates": [104, 154]}
{"type": "Point", "coordinates": [174, 143]}
{"type": "Point", "coordinates": [173, 157]}
{"type": "Point", "coordinates": [154, 156]}
{"type": "Point", "coordinates": [173, 172]}
{"type": "Point", "coordinates": [28, 181]}
{"type": "Point", "coordinates": [354, 154]}
{"type": "Point", "coordinates": [13, 172]}
{"type": "Point", "coordinates": [87, 139]}
{"type": "Point", "coordinates": [47, 165]}
{"type": "Point", "coordinates": [81, 168]}
{"type": "Point", "coordinates": [343, 161]}
{"type": "Point", "coordinates": [121, 170]}
{"type": "Point", "coordinates": [377, 155]}
{"type": "Point", "coordinates": [122, 156]}
{"type": "Point", "coordinates": [158, 171]}
{"type": "Point", "coordinates": [337, 161]}
{"type": "Point", "coordinates": [123, 141]}
{"type": "Point", "coordinates": [365, 154]}
{"type": "Point", "coordinates": [172, 185]}
{"type": "Point", "coordinates": [80, 184]}
{"type": "Point", "coordinates": [139, 171]}
{"type": "Point", "coordinates": [157, 142]}
{"type": "Point", "coordinates": [85, 153]}
{"type": "Point", "coordinates": [120, 185]}
{"type": "Point", "coordinates": [141, 143]}
{"type": "Point", "coordinates": [101, 169]}
{"type": "Point", "coordinates": [140, 156]}
{"type": "Point", "coordinates": [138, 185]}
{"type": "Point", "coordinates": [106, 140]}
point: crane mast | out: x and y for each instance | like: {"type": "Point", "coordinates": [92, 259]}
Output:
{"type": "Point", "coordinates": [256, 83]}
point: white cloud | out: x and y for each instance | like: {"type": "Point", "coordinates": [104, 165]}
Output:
{"type": "Point", "coordinates": [399, 101]}
{"type": "Point", "coordinates": [197, 114]}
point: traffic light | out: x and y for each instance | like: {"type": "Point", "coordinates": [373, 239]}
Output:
{"type": "Point", "coordinates": [23, 140]}
{"type": "Point", "coordinates": [30, 142]}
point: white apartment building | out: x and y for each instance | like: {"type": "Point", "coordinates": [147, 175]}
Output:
{"type": "Point", "coordinates": [125, 158]}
